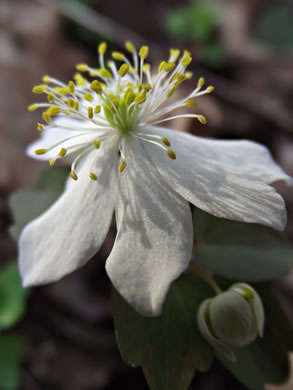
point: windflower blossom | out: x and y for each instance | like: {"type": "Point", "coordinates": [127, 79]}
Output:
{"type": "Point", "coordinates": [123, 162]}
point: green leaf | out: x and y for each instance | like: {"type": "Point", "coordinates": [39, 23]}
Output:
{"type": "Point", "coordinates": [12, 348]}
{"type": "Point", "coordinates": [240, 251]}
{"type": "Point", "coordinates": [29, 203]}
{"type": "Point", "coordinates": [168, 348]}
{"type": "Point", "coordinates": [12, 296]}
{"type": "Point", "coordinates": [194, 21]}
{"type": "Point", "coordinates": [266, 360]}
{"type": "Point", "coordinates": [275, 28]}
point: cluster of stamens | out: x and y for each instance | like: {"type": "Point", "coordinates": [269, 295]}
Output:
{"type": "Point", "coordinates": [118, 101]}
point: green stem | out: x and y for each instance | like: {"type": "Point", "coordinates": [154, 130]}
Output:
{"type": "Point", "coordinates": [198, 270]}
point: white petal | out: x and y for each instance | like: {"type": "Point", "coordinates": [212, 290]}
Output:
{"type": "Point", "coordinates": [154, 240]}
{"type": "Point", "coordinates": [68, 234]}
{"type": "Point", "coordinates": [225, 178]}
{"type": "Point", "coordinates": [51, 136]}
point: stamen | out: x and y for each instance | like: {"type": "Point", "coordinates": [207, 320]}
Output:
{"type": "Point", "coordinates": [200, 82]}
{"type": "Point", "coordinates": [171, 154]}
{"type": "Point", "coordinates": [40, 127]}
{"type": "Point", "coordinates": [71, 87]}
{"type": "Point", "coordinates": [40, 151]}
{"type": "Point", "coordinates": [88, 97]}
{"type": "Point", "coordinates": [73, 175]}
{"type": "Point", "coordinates": [102, 48]}
{"type": "Point", "coordinates": [140, 98]}
{"type": "Point", "coordinates": [97, 109]}
{"type": "Point", "coordinates": [82, 67]}
{"type": "Point", "coordinates": [122, 166]}
{"type": "Point", "coordinates": [62, 152]}
{"type": "Point", "coordinates": [130, 47]}
{"type": "Point", "coordinates": [97, 143]}
{"type": "Point", "coordinates": [38, 89]}
{"type": "Point", "coordinates": [33, 107]}
{"type": "Point", "coordinates": [93, 176]}
{"type": "Point", "coordinates": [118, 56]}
{"type": "Point", "coordinates": [90, 112]}
{"type": "Point", "coordinates": [105, 73]}
{"type": "Point", "coordinates": [144, 51]}
{"type": "Point", "coordinates": [123, 70]}
{"type": "Point", "coordinates": [190, 103]}
{"type": "Point", "coordinates": [96, 86]}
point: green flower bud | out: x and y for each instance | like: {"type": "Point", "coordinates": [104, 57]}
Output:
{"type": "Point", "coordinates": [233, 318]}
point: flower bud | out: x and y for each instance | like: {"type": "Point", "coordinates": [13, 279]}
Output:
{"type": "Point", "coordinates": [233, 318]}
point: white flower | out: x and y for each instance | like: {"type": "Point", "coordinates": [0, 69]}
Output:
{"type": "Point", "coordinates": [124, 164]}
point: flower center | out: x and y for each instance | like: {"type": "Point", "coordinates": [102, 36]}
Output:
{"type": "Point", "coordinates": [119, 101]}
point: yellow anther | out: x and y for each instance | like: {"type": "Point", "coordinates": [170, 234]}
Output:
{"type": "Point", "coordinates": [171, 154]}
{"type": "Point", "coordinates": [140, 98]}
{"type": "Point", "coordinates": [188, 75]}
{"type": "Point", "coordinates": [190, 103]}
{"type": "Point", "coordinates": [97, 143]}
{"type": "Point", "coordinates": [210, 89]}
{"type": "Point", "coordinates": [40, 88]}
{"type": "Point", "coordinates": [40, 151]}
{"type": "Point", "coordinates": [40, 127]}
{"type": "Point", "coordinates": [32, 107]}
{"type": "Point", "coordinates": [93, 176]}
{"type": "Point", "coordinates": [50, 98]}
{"type": "Point", "coordinates": [47, 118]}
{"type": "Point", "coordinates": [73, 175]}
{"type": "Point", "coordinates": [70, 103]}
{"type": "Point", "coordinates": [179, 77]}
{"type": "Point", "coordinates": [62, 152]}
{"type": "Point", "coordinates": [143, 52]}
{"type": "Point", "coordinates": [200, 82]}
{"type": "Point", "coordinates": [53, 110]}
{"type": "Point", "coordinates": [146, 68]}
{"type": "Point", "coordinates": [71, 87]}
{"type": "Point", "coordinates": [82, 67]}
{"type": "Point", "coordinates": [102, 48]}
{"type": "Point", "coordinates": [186, 53]}
{"type": "Point", "coordinates": [124, 68]}
{"type": "Point", "coordinates": [88, 97]}
{"type": "Point", "coordinates": [122, 166]}
{"type": "Point", "coordinates": [97, 109]}
{"type": "Point", "coordinates": [169, 66]}
{"type": "Point", "coordinates": [130, 96]}
{"type": "Point", "coordinates": [76, 105]}
{"type": "Point", "coordinates": [52, 162]}
{"type": "Point", "coordinates": [96, 87]}
{"type": "Point", "coordinates": [202, 119]}
{"type": "Point", "coordinates": [80, 81]}
{"type": "Point", "coordinates": [186, 60]}
{"type": "Point", "coordinates": [146, 87]}
{"type": "Point", "coordinates": [115, 103]}
{"type": "Point", "coordinates": [105, 73]}
{"type": "Point", "coordinates": [174, 53]}
{"type": "Point", "coordinates": [171, 92]}
{"type": "Point", "coordinates": [46, 79]}
{"type": "Point", "coordinates": [62, 90]}
{"type": "Point", "coordinates": [118, 56]}
{"type": "Point", "coordinates": [90, 113]}
{"type": "Point", "coordinates": [129, 47]}
{"type": "Point", "coordinates": [165, 141]}
{"type": "Point", "coordinates": [161, 66]}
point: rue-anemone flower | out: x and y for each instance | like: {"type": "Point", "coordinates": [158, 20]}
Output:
{"type": "Point", "coordinates": [122, 162]}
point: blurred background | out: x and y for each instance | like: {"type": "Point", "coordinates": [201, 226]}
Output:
{"type": "Point", "coordinates": [61, 336]}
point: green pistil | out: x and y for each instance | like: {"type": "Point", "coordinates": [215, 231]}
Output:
{"type": "Point", "coordinates": [123, 122]}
